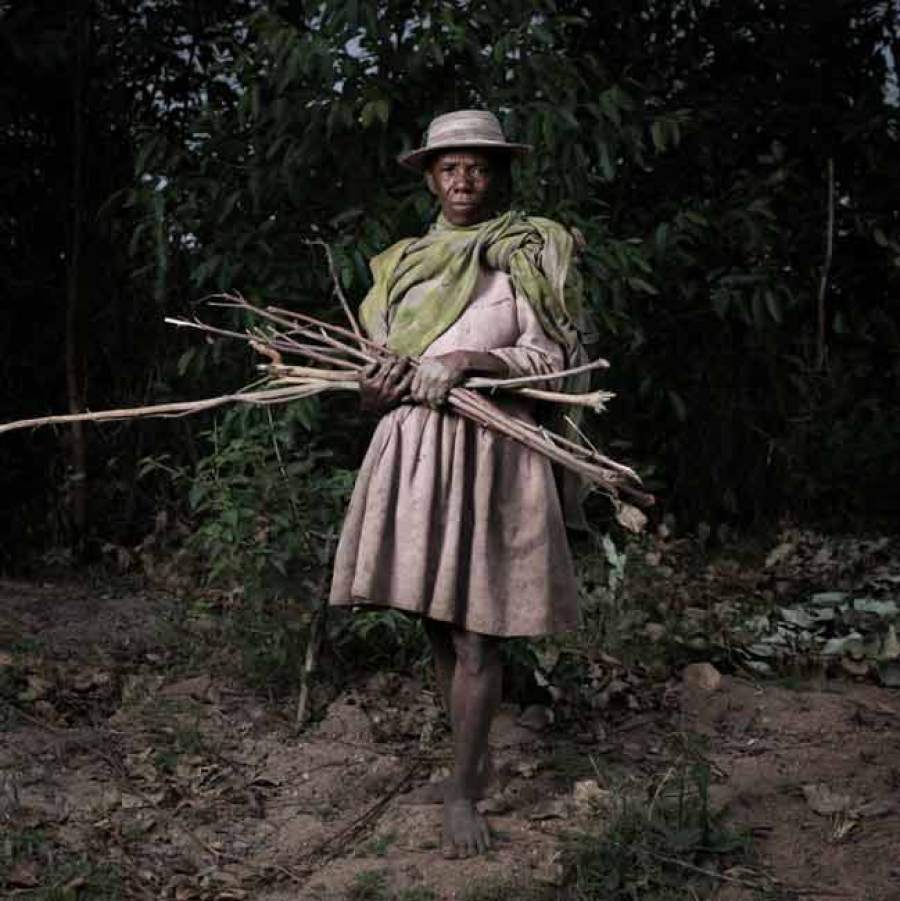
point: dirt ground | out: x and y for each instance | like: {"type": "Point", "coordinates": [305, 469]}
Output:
{"type": "Point", "coordinates": [128, 769]}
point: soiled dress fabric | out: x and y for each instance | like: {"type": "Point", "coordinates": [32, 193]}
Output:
{"type": "Point", "coordinates": [450, 520]}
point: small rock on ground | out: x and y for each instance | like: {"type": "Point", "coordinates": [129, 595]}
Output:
{"type": "Point", "coordinates": [703, 676]}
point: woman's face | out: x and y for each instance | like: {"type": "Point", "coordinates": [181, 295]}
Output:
{"type": "Point", "coordinates": [464, 183]}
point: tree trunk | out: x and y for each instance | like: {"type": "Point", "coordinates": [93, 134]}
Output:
{"type": "Point", "coordinates": [76, 306]}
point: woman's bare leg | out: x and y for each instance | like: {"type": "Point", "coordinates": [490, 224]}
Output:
{"type": "Point", "coordinates": [443, 650]}
{"type": "Point", "coordinates": [474, 697]}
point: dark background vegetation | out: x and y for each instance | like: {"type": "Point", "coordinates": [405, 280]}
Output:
{"type": "Point", "coordinates": [155, 151]}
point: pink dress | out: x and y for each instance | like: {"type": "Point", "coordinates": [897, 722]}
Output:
{"type": "Point", "coordinates": [452, 521]}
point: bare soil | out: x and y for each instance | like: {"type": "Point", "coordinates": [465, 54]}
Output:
{"type": "Point", "coordinates": [772, 746]}
{"type": "Point", "coordinates": [130, 767]}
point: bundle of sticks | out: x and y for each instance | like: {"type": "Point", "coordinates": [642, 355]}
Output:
{"type": "Point", "coordinates": [342, 354]}
{"type": "Point", "coordinates": [334, 357]}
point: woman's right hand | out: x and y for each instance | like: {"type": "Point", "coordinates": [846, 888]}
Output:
{"type": "Point", "coordinates": [384, 385]}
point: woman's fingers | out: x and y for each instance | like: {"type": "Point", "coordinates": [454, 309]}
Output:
{"type": "Point", "coordinates": [397, 381]}
{"type": "Point", "coordinates": [397, 369]}
{"type": "Point", "coordinates": [381, 384]}
{"type": "Point", "coordinates": [373, 373]}
{"type": "Point", "coordinates": [422, 386]}
{"type": "Point", "coordinates": [403, 385]}
{"type": "Point", "coordinates": [380, 372]}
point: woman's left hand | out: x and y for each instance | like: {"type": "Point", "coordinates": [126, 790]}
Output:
{"type": "Point", "coordinates": [436, 377]}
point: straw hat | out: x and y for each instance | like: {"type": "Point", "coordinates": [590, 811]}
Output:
{"type": "Point", "coordinates": [463, 128]}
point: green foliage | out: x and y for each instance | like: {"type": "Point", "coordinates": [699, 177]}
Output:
{"type": "Point", "coordinates": [692, 144]}
{"type": "Point", "coordinates": [704, 217]}
{"type": "Point", "coordinates": [100, 308]}
{"type": "Point", "coordinates": [600, 569]}
{"type": "Point", "coordinates": [265, 511]}
{"type": "Point", "coordinates": [263, 503]}
{"type": "Point", "coordinates": [662, 848]}
{"type": "Point", "coordinates": [383, 639]}
{"type": "Point", "coordinates": [369, 885]}
{"type": "Point", "coordinates": [377, 846]}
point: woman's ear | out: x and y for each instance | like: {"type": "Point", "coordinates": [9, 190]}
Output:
{"type": "Point", "coordinates": [429, 180]}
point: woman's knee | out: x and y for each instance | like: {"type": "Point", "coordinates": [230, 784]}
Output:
{"type": "Point", "coordinates": [475, 652]}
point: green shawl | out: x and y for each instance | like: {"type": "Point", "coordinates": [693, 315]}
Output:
{"type": "Point", "coordinates": [536, 253]}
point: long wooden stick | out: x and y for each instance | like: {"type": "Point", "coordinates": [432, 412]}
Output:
{"type": "Point", "coordinates": [282, 342]}
{"type": "Point", "coordinates": [594, 400]}
{"type": "Point", "coordinates": [182, 408]}
{"type": "Point", "coordinates": [599, 363]}
{"type": "Point", "coordinates": [338, 289]}
{"type": "Point", "coordinates": [468, 403]}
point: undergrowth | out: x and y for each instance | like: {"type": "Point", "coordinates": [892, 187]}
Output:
{"type": "Point", "coordinates": [369, 885]}
{"type": "Point", "coordinates": [264, 510]}
{"type": "Point", "coordinates": [662, 844]}
{"type": "Point", "coordinates": [508, 889]}
{"type": "Point", "coordinates": [34, 866]}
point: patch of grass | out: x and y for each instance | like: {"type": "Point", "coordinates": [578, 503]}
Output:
{"type": "Point", "coordinates": [12, 681]}
{"type": "Point", "coordinates": [27, 654]}
{"type": "Point", "coordinates": [377, 846]}
{"type": "Point", "coordinates": [667, 847]}
{"type": "Point", "coordinates": [502, 889]}
{"type": "Point", "coordinates": [416, 893]}
{"type": "Point", "coordinates": [369, 885]}
{"type": "Point", "coordinates": [178, 739]}
{"type": "Point", "coordinates": [29, 645]}
{"type": "Point", "coordinates": [572, 763]}
{"type": "Point", "coordinates": [60, 875]}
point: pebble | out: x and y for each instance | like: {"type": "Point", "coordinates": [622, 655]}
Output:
{"type": "Point", "coordinates": [702, 675]}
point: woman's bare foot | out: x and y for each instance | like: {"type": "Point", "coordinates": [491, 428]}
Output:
{"type": "Point", "coordinates": [465, 831]}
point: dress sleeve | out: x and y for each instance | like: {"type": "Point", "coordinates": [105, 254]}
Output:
{"type": "Point", "coordinates": [534, 352]}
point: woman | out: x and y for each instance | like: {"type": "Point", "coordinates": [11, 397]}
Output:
{"type": "Point", "coordinates": [449, 520]}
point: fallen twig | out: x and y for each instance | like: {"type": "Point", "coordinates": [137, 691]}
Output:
{"type": "Point", "coordinates": [331, 846]}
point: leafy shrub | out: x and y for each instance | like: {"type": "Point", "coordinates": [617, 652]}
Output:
{"type": "Point", "coordinates": [264, 512]}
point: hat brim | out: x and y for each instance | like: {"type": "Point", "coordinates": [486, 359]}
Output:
{"type": "Point", "coordinates": [416, 159]}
